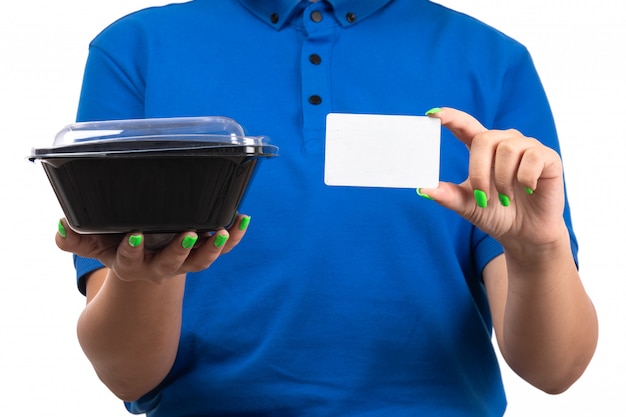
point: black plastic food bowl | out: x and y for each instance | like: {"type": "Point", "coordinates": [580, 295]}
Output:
{"type": "Point", "coordinates": [152, 175]}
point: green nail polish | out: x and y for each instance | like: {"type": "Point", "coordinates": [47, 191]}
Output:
{"type": "Point", "coordinates": [434, 110]}
{"type": "Point", "coordinates": [504, 200]}
{"type": "Point", "coordinates": [135, 240]}
{"type": "Point", "coordinates": [244, 222]}
{"type": "Point", "coordinates": [62, 231]}
{"type": "Point", "coordinates": [481, 198]}
{"type": "Point", "coordinates": [528, 190]}
{"type": "Point", "coordinates": [189, 241]}
{"type": "Point", "coordinates": [220, 240]}
{"type": "Point", "coordinates": [421, 194]}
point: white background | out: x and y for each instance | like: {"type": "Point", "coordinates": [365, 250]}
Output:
{"type": "Point", "coordinates": [579, 49]}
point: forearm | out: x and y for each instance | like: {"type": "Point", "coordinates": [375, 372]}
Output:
{"type": "Point", "coordinates": [130, 333]}
{"type": "Point", "coordinates": [549, 329]}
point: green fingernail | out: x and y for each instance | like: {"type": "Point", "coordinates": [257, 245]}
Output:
{"type": "Point", "coordinates": [421, 194]}
{"type": "Point", "coordinates": [135, 240]}
{"type": "Point", "coordinates": [244, 222]}
{"type": "Point", "coordinates": [189, 241]}
{"type": "Point", "coordinates": [62, 231]}
{"type": "Point", "coordinates": [528, 190]}
{"type": "Point", "coordinates": [504, 200]}
{"type": "Point", "coordinates": [220, 240]}
{"type": "Point", "coordinates": [481, 198]}
{"type": "Point", "coordinates": [434, 110]}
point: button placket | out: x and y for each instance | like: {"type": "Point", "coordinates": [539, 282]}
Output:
{"type": "Point", "coordinates": [316, 16]}
{"type": "Point", "coordinates": [320, 33]}
{"type": "Point", "coordinates": [315, 59]}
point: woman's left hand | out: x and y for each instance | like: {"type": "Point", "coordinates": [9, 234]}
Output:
{"type": "Point", "coordinates": [514, 190]}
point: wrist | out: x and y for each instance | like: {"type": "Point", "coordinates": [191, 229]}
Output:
{"type": "Point", "coordinates": [535, 255]}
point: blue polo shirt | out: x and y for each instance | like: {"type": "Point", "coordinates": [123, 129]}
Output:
{"type": "Point", "coordinates": [339, 301]}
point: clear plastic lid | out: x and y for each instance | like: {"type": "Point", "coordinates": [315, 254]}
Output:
{"type": "Point", "coordinates": [149, 135]}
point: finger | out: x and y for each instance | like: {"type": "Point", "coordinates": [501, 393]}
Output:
{"type": "Point", "coordinates": [85, 245]}
{"type": "Point", "coordinates": [494, 159]}
{"type": "Point", "coordinates": [538, 162]}
{"type": "Point", "coordinates": [456, 197]}
{"type": "Point", "coordinates": [464, 126]}
{"type": "Point", "coordinates": [130, 253]}
{"type": "Point", "coordinates": [236, 232]}
{"type": "Point", "coordinates": [66, 239]}
{"type": "Point", "coordinates": [517, 161]}
{"type": "Point", "coordinates": [207, 252]}
{"type": "Point", "coordinates": [221, 242]}
{"type": "Point", "coordinates": [159, 265]}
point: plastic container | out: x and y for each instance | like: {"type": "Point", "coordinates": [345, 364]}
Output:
{"type": "Point", "coordinates": [152, 175]}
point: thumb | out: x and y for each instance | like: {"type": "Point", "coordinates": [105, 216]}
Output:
{"type": "Point", "coordinates": [452, 196]}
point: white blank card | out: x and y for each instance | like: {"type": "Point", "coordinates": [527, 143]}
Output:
{"type": "Point", "coordinates": [374, 150]}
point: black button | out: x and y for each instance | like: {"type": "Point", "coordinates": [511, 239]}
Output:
{"type": "Point", "coordinates": [350, 17]}
{"type": "Point", "coordinates": [274, 18]}
{"type": "Point", "coordinates": [315, 59]}
{"type": "Point", "coordinates": [315, 100]}
{"type": "Point", "coordinates": [316, 16]}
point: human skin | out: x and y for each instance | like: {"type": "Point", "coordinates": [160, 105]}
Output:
{"type": "Point", "coordinates": [545, 323]}
{"type": "Point", "coordinates": [131, 323]}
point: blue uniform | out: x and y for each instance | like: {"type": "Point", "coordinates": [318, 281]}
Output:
{"type": "Point", "coordinates": [339, 301]}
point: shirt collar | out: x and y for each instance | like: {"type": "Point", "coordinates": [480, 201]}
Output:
{"type": "Point", "coordinates": [277, 13]}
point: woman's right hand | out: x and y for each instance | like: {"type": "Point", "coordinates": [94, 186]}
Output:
{"type": "Point", "coordinates": [130, 260]}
